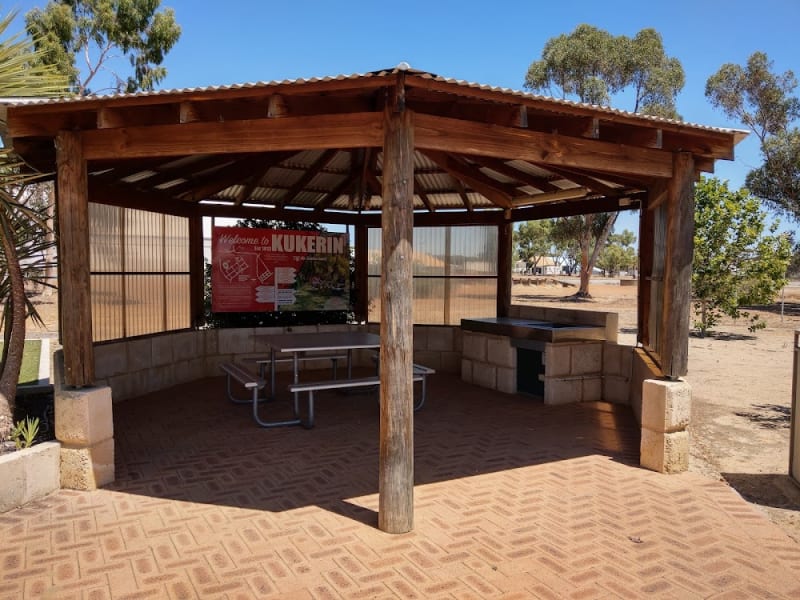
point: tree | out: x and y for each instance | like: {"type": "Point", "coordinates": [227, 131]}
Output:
{"type": "Point", "coordinates": [533, 242]}
{"type": "Point", "coordinates": [593, 65]}
{"type": "Point", "coordinates": [590, 232]}
{"type": "Point", "coordinates": [102, 32]}
{"type": "Point", "coordinates": [735, 264]}
{"type": "Point", "coordinates": [618, 253]}
{"type": "Point", "coordinates": [21, 224]}
{"type": "Point", "coordinates": [764, 102]}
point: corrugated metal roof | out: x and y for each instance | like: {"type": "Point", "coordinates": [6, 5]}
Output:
{"type": "Point", "coordinates": [457, 83]}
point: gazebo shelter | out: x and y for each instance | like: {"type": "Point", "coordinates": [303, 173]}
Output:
{"type": "Point", "coordinates": [390, 150]}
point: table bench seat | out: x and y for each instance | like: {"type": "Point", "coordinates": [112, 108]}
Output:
{"type": "Point", "coordinates": [421, 373]}
{"type": "Point", "coordinates": [253, 382]}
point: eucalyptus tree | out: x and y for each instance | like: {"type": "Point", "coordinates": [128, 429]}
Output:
{"type": "Point", "coordinates": [764, 102]}
{"type": "Point", "coordinates": [22, 223]}
{"type": "Point", "coordinates": [533, 242]}
{"type": "Point", "coordinates": [593, 66]}
{"type": "Point", "coordinates": [101, 33]}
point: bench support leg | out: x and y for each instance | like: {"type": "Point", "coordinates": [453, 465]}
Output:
{"type": "Point", "coordinates": [262, 423]}
{"type": "Point", "coordinates": [236, 399]}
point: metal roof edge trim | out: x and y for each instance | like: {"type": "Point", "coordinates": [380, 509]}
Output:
{"type": "Point", "coordinates": [380, 74]}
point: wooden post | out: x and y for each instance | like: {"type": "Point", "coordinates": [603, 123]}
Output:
{"type": "Point", "coordinates": [678, 268]}
{"type": "Point", "coordinates": [396, 485]}
{"type": "Point", "coordinates": [505, 237]}
{"type": "Point", "coordinates": [73, 255]}
{"type": "Point", "coordinates": [196, 271]}
{"type": "Point", "coordinates": [361, 305]}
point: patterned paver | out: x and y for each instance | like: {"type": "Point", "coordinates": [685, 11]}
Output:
{"type": "Point", "coordinates": [513, 500]}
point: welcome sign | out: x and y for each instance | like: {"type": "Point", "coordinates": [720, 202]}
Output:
{"type": "Point", "coordinates": [267, 270]}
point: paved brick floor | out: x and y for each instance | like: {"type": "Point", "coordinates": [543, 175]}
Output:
{"type": "Point", "coordinates": [513, 500]}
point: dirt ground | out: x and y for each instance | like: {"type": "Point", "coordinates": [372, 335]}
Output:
{"type": "Point", "coordinates": [741, 391]}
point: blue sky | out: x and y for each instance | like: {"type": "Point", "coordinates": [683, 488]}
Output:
{"type": "Point", "coordinates": [485, 42]}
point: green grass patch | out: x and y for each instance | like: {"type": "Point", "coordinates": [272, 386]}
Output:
{"type": "Point", "coordinates": [30, 361]}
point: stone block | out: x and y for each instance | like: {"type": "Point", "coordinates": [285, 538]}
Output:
{"type": "Point", "coordinates": [196, 368]}
{"type": "Point", "coordinates": [162, 348]}
{"type": "Point", "coordinates": [507, 380]}
{"type": "Point", "coordinates": [466, 370]}
{"type": "Point", "coordinates": [474, 346]}
{"type": "Point", "coordinates": [160, 378]}
{"type": "Point", "coordinates": [612, 359]}
{"type": "Point", "coordinates": [500, 352]}
{"type": "Point", "coordinates": [302, 329]}
{"type": "Point", "coordinates": [120, 387]}
{"type": "Point", "coordinates": [450, 362]}
{"type": "Point", "coordinates": [185, 344]}
{"type": "Point", "coordinates": [42, 470]}
{"type": "Point", "coordinates": [592, 389]}
{"type": "Point", "coordinates": [87, 468]}
{"type": "Point", "coordinates": [626, 360]}
{"type": "Point", "coordinates": [84, 417]}
{"type": "Point", "coordinates": [110, 359]}
{"type": "Point", "coordinates": [664, 452]}
{"type": "Point", "coordinates": [666, 405]}
{"type": "Point", "coordinates": [237, 341]}
{"type": "Point", "coordinates": [458, 340]}
{"type": "Point", "coordinates": [440, 339]}
{"type": "Point", "coordinates": [557, 360]}
{"type": "Point", "coordinates": [612, 326]}
{"type": "Point", "coordinates": [562, 391]}
{"type": "Point", "coordinates": [210, 342]}
{"type": "Point", "coordinates": [587, 358]}
{"type": "Point", "coordinates": [421, 338]}
{"type": "Point", "coordinates": [429, 359]}
{"type": "Point", "coordinates": [212, 364]}
{"type": "Point", "coordinates": [140, 354]}
{"type": "Point", "coordinates": [484, 375]}
{"type": "Point", "coordinates": [616, 389]}
{"type": "Point", "coordinates": [28, 474]}
{"type": "Point", "coordinates": [12, 472]}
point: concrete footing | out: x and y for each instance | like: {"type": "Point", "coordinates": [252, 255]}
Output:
{"type": "Point", "coordinates": [666, 409]}
{"type": "Point", "coordinates": [85, 428]}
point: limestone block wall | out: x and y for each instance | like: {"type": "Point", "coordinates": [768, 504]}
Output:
{"type": "Point", "coordinates": [489, 361]}
{"type": "Point", "coordinates": [139, 366]}
{"type": "Point", "coordinates": [642, 369]}
{"type": "Point", "coordinates": [573, 372]}
{"type": "Point", "coordinates": [617, 367]}
{"type": "Point", "coordinates": [438, 347]}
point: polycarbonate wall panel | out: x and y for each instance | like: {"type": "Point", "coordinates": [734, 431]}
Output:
{"type": "Point", "coordinates": [177, 301]}
{"type": "Point", "coordinates": [373, 252]}
{"type": "Point", "coordinates": [430, 252]}
{"type": "Point", "coordinates": [455, 273]}
{"type": "Point", "coordinates": [105, 235]}
{"type": "Point", "coordinates": [473, 251]}
{"type": "Point", "coordinates": [374, 290]}
{"type": "Point", "coordinates": [144, 304]}
{"type": "Point", "coordinates": [471, 298]}
{"type": "Point", "coordinates": [144, 242]}
{"type": "Point", "coordinates": [140, 272]}
{"type": "Point", "coordinates": [176, 244]}
{"type": "Point", "coordinates": [107, 307]}
{"type": "Point", "coordinates": [429, 301]}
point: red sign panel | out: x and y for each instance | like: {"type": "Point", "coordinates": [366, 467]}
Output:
{"type": "Point", "coordinates": [264, 270]}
